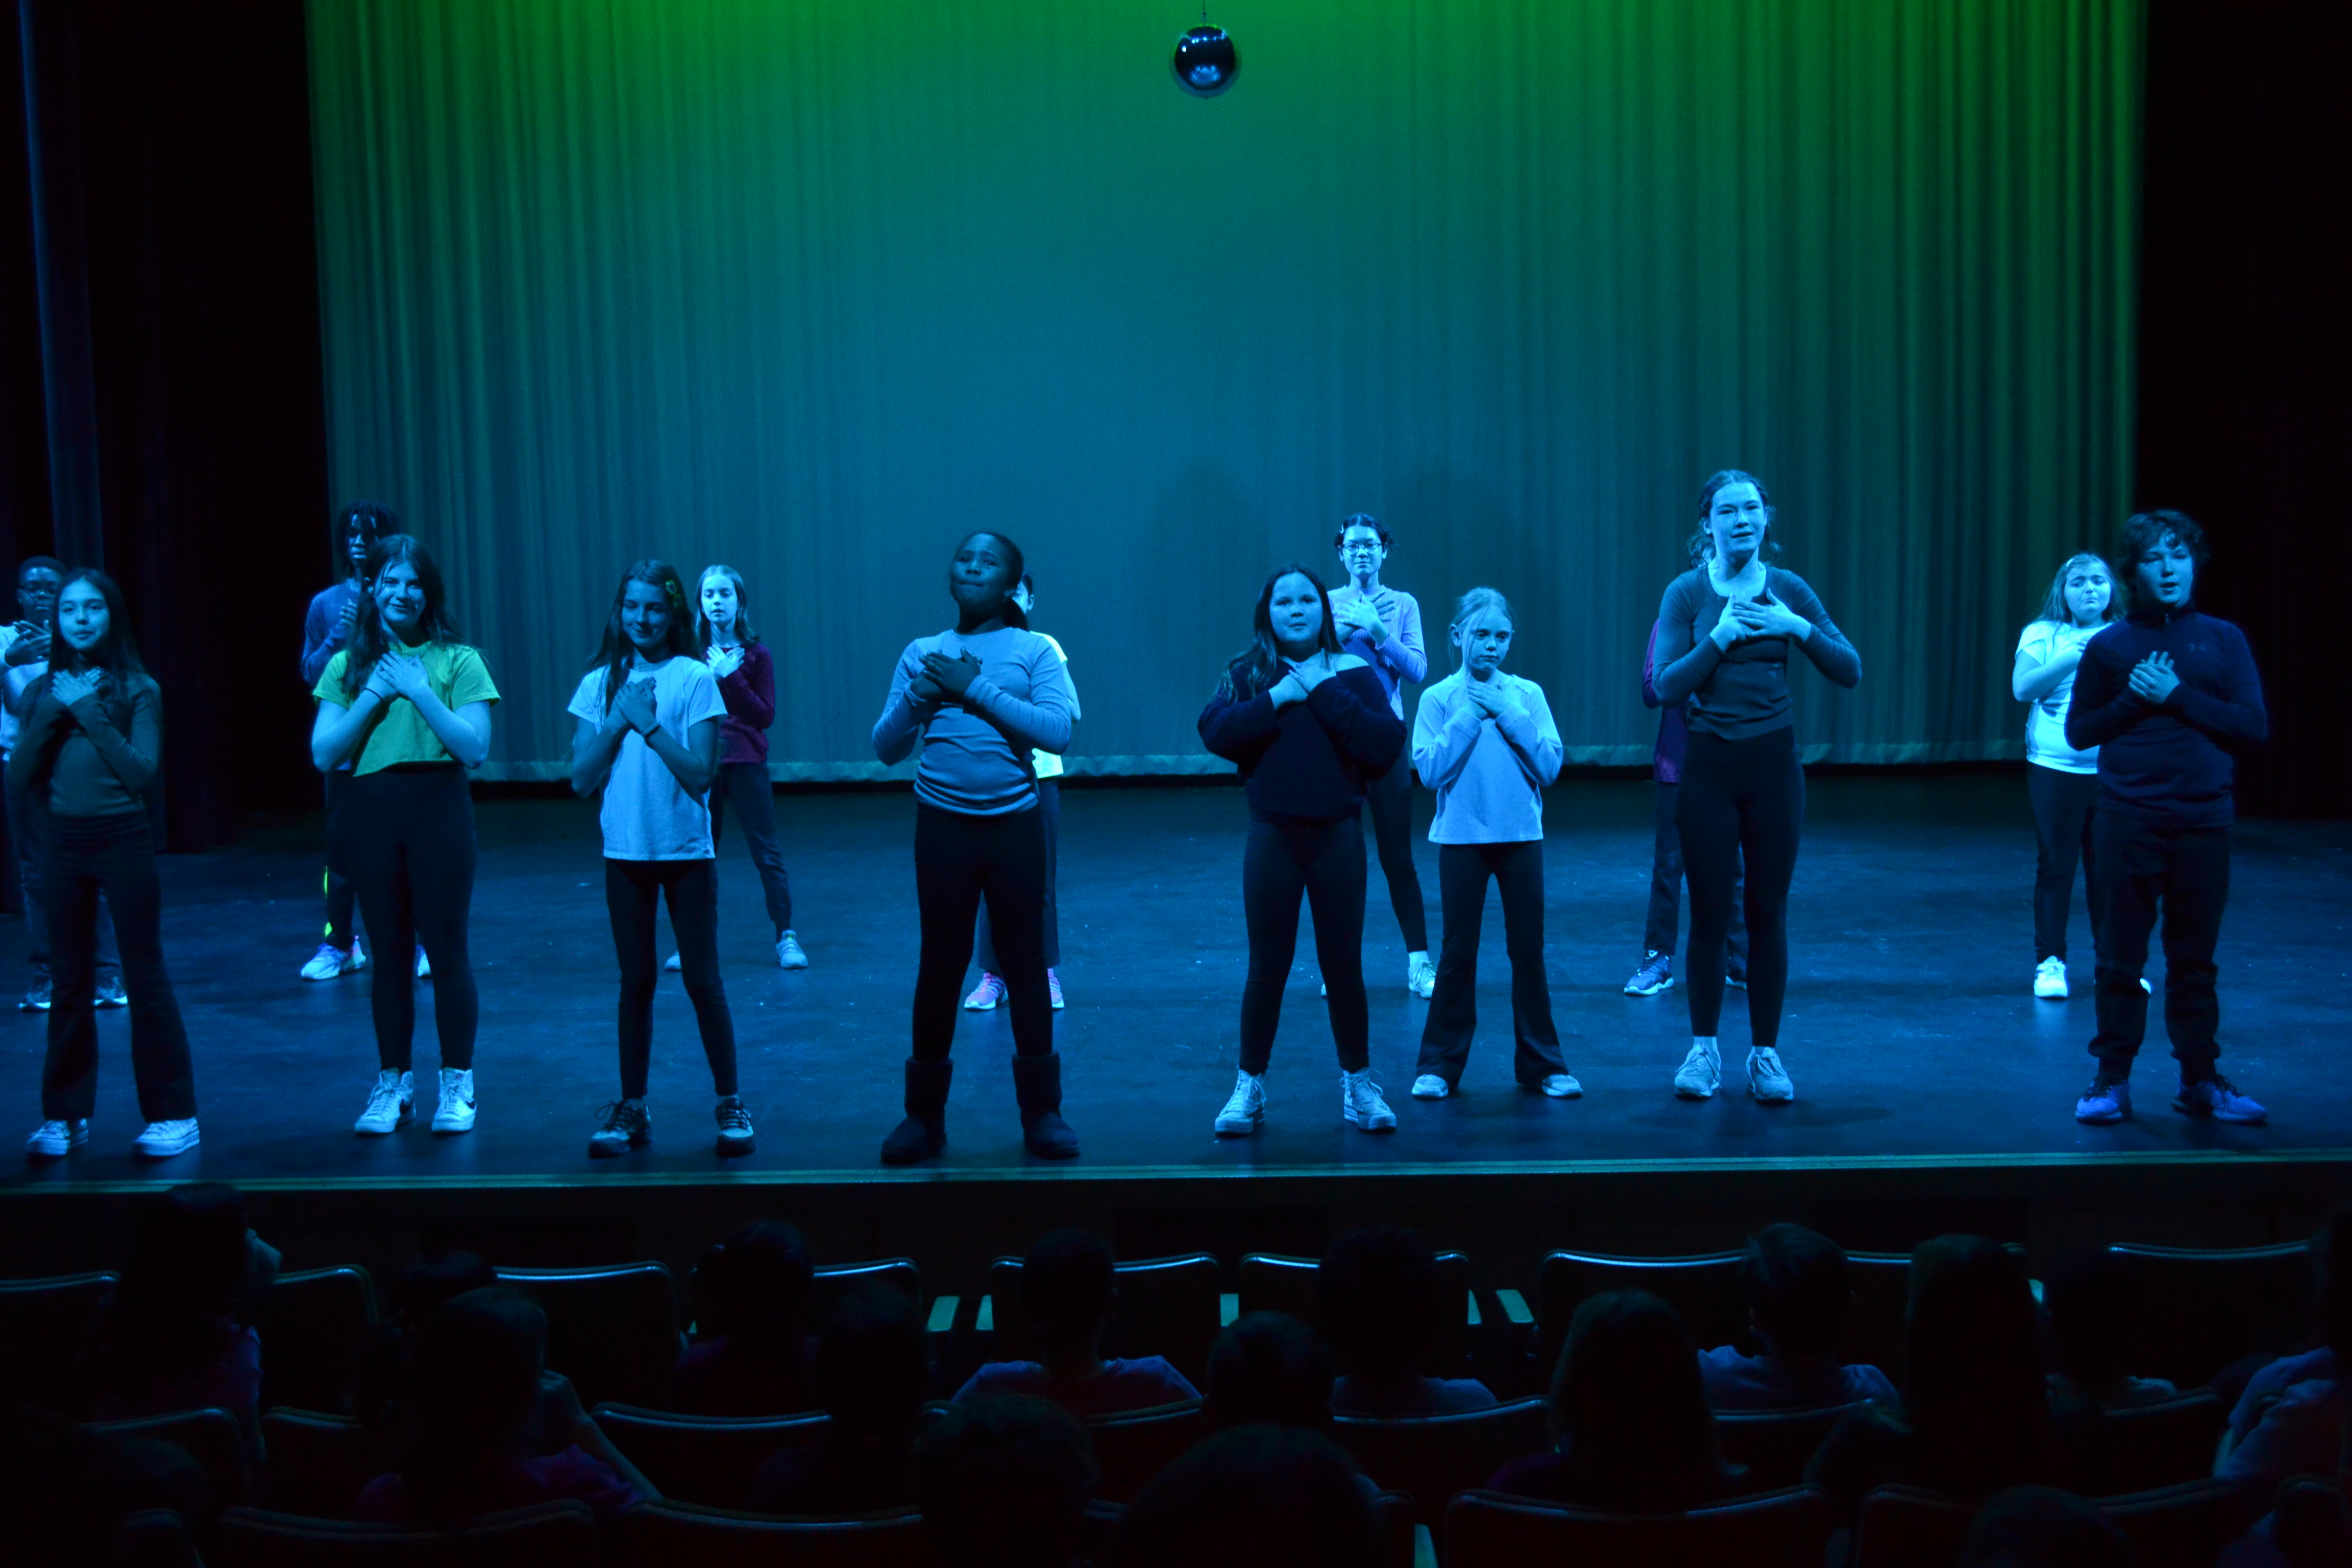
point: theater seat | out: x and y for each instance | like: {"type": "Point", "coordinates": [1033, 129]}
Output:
{"type": "Point", "coordinates": [1775, 1444]}
{"type": "Point", "coordinates": [211, 1437]}
{"type": "Point", "coordinates": [1910, 1526]}
{"type": "Point", "coordinates": [1272, 1283]}
{"type": "Point", "coordinates": [1431, 1457]}
{"type": "Point", "coordinates": [681, 1533]}
{"type": "Point", "coordinates": [44, 1327]}
{"type": "Point", "coordinates": [546, 1535]}
{"type": "Point", "coordinates": [1786, 1529]}
{"type": "Point", "coordinates": [1703, 1288]}
{"type": "Point", "coordinates": [2200, 1311]}
{"type": "Point", "coordinates": [1134, 1445]}
{"type": "Point", "coordinates": [835, 1280]}
{"type": "Point", "coordinates": [613, 1332]}
{"type": "Point", "coordinates": [706, 1460]}
{"type": "Point", "coordinates": [311, 1326]}
{"type": "Point", "coordinates": [2163, 1444]}
{"type": "Point", "coordinates": [1167, 1307]}
{"type": "Point", "coordinates": [317, 1463]}
{"type": "Point", "coordinates": [2180, 1527]}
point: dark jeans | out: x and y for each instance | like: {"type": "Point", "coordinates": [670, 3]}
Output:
{"type": "Point", "coordinates": [1282, 858]}
{"type": "Point", "coordinates": [1389, 797]}
{"type": "Point", "coordinates": [1742, 802]}
{"type": "Point", "coordinates": [406, 836]}
{"type": "Point", "coordinates": [2064, 805]}
{"type": "Point", "coordinates": [26, 817]}
{"type": "Point", "coordinates": [754, 794]}
{"type": "Point", "coordinates": [1463, 870]}
{"type": "Point", "coordinates": [1666, 891]}
{"type": "Point", "coordinates": [341, 894]}
{"type": "Point", "coordinates": [960, 860]}
{"type": "Point", "coordinates": [633, 893]}
{"type": "Point", "coordinates": [80, 857]}
{"type": "Point", "coordinates": [1049, 809]}
{"type": "Point", "coordinates": [2142, 866]}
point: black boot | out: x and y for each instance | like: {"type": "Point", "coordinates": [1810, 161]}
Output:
{"type": "Point", "coordinates": [1037, 1084]}
{"type": "Point", "coordinates": [925, 1132]}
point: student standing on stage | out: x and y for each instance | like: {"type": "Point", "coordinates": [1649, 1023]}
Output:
{"type": "Point", "coordinates": [1485, 743]}
{"type": "Point", "coordinates": [1657, 969]}
{"type": "Point", "coordinates": [981, 697]}
{"type": "Point", "coordinates": [747, 682]}
{"type": "Point", "coordinates": [327, 630]}
{"type": "Point", "coordinates": [405, 707]}
{"type": "Point", "coordinates": [24, 659]}
{"type": "Point", "coordinates": [1381, 627]}
{"type": "Point", "coordinates": [1726, 630]}
{"type": "Point", "coordinates": [991, 990]}
{"type": "Point", "coordinates": [2062, 782]}
{"type": "Point", "coordinates": [91, 743]}
{"type": "Point", "coordinates": [649, 717]}
{"type": "Point", "coordinates": [1310, 728]}
{"type": "Point", "coordinates": [2163, 694]}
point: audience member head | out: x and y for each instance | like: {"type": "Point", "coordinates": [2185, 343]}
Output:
{"type": "Point", "coordinates": [874, 1367]}
{"type": "Point", "coordinates": [437, 1278]}
{"type": "Point", "coordinates": [755, 1283]}
{"type": "Point", "coordinates": [1798, 1292]}
{"type": "Point", "coordinates": [1003, 1479]}
{"type": "Point", "coordinates": [380, 1387]}
{"type": "Point", "coordinates": [2042, 1527]}
{"type": "Point", "coordinates": [1255, 1497]}
{"type": "Point", "coordinates": [1069, 1284]}
{"type": "Point", "coordinates": [2089, 1298]}
{"type": "Point", "coordinates": [473, 1386]}
{"type": "Point", "coordinates": [1269, 1368]}
{"type": "Point", "coordinates": [1628, 1409]}
{"type": "Point", "coordinates": [64, 1490]}
{"type": "Point", "coordinates": [195, 1272]}
{"type": "Point", "coordinates": [1378, 1297]}
{"type": "Point", "coordinates": [2331, 1259]}
{"type": "Point", "coordinates": [1972, 1383]}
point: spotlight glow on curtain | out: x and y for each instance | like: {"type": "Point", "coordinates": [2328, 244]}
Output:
{"type": "Point", "coordinates": [814, 287]}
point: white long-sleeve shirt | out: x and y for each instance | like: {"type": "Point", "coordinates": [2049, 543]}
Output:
{"type": "Point", "coordinates": [976, 748]}
{"type": "Point", "coordinates": [1489, 773]}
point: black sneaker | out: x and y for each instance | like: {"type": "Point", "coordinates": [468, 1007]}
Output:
{"type": "Point", "coordinates": [2216, 1099]}
{"type": "Point", "coordinates": [626, 1126]}
{"type": "Point", "coordinates": [109, 992]}
{"type": "Point", "coordinates": [37, 996]}
{"type": "Point", "coordinates": [1736, 975]}
{"type": "Point", "coordinates": [1656, 974]}
{"type": "Point", "coordinates": [734, 1126]}
{"type": "Point", "coordinates": [2104, 1103]}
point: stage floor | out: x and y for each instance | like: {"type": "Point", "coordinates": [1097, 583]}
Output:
{"type": "Point", "coordinates": [1911, 1031]}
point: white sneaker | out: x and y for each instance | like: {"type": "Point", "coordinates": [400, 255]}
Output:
{"type": "Point", "coordinates": [1244, 1110]}
{"type": "Point", "coordinates": [1701, 1073]}
{"type": "Point", "coordinates": [986, 995]}
{"type": "Point", "coordinates": [2145, 989]}
{"type": "Point", "coordinates": [1420, 976]}
{"type": "Point", "coordinates": [1768, 1081]}
{"type": "Point", "coordinates": [1361, 1105]}
{"type": "Point", "coordinates": [1562, 1085]}
{"type": "Point", "coordinates": [2050, 979]}
{"type": "Point", "coordinates": [54, 1140]}
{"type": "Point", "coordinates": [390, 1103]}
{"type": "Point", "coordinates": [1429, 1086]}
{"type": "Point", "coordinates": [788, 953]}
{"type": "Point", "coordinates": [424, 964]}
{"type": "Point", "coordinates": [456, 1112]}
{"type": "Point", "coordinates": [164, 1139]}
{"type": "Point", "coordinates": [670, 965]}
{"type": "Point", "coordinates": [332, 963]}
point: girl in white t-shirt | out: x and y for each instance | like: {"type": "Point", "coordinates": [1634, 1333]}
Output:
{"type": "Point", "coordinates": [2063, 782]}
{"type": "Point", "coordinates": [649, 713]}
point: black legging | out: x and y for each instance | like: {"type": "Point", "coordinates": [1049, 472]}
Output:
{"type": "Point", "coordinates": [2063, 804]}
{"type": "Point", "coordinates": [404, 836]}
{"type": "Point", "coordinates": [1741, 799]}
{"type": "Point", "coordinates": [1462, 871]}
{"type": "Point", "coordinates": [1324, 858]}
{"type": "Point", "coordinates": [748, 785]}
{"type": "Point", "coordinates": [1049, 817]}
{"type": "Point", "coordinates": [632, 891]}
{"type": "Point", "coordinates": [1389, 797]}
{"type": "Point", "coordinates": [79, 856]}
{"type": "Point", "coordinates": [961, 859]}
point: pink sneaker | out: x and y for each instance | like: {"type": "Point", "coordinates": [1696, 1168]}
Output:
{"type": "Point", "coordinates": [1053, 988]}
{"type": "Point", "coordinates": [986, 995]}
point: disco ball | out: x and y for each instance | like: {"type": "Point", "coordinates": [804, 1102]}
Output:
{"type": "Point", "coordinates": [1205, 62]}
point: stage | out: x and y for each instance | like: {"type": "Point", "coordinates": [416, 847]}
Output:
{"type": "Point", "coordinates": [1925, 1070]}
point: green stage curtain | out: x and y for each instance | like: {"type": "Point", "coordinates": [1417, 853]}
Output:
{"type": "Point", "coordinates": [814, 287]}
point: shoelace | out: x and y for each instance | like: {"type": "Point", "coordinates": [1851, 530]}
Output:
{"type": "Point", "coordinates": [732, 1116]}
{"type": "Point", "coordinates": [618, 1116]}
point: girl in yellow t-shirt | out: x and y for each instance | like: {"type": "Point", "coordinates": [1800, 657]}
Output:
{"type": "Point", "coordinates": [409, 706]}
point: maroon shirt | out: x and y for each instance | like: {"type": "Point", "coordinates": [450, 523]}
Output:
{"type": "Point", "coordinates": [751, 697]}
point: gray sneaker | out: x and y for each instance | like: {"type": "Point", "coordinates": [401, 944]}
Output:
{"type": "Point", "coordinates": [1701, 1073]}
{"type": "Point", "coordinates": [1363, 1105]}
{"type": "Point", "coordinates": [626, 1126]}
{"type": "Point", "coordinates": [1768, 1081]}
{"type": "Point", "coordinates": [788, 953]}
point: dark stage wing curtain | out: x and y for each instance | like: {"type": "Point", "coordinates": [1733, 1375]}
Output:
{"type": "Point", "coordinates": [812, 288]}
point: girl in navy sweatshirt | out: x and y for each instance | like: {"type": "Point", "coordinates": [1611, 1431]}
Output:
{"type": "Point", "coordinates": [1309, 727]}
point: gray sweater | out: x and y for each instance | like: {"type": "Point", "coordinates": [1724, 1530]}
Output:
{"type": "Point", "coordinates": [1743, 692]}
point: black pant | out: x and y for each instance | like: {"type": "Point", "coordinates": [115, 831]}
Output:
{"type": "Point", "coordinates": [25, 819]}
{"type": "Point", "coordinates": [1666, 890]}
{"type": "Point", "coordinates": [632, 891]}
{"type": "Point", "coordinates": [336, 881]}
{"type": "Point", "coordinates": [1049, 817]}
{"type": "Point", "coordinates": [1463, 870]}
{"type": "Point", "coordinates": [404, 836]}
{"type": "Point", "coordinates": [747, 783]}
{"type": "Point", "coordinates": [961, 859]}
{"type": "Point", "coordinates": [1741, 800]}
{"type": "Point", "coordinates": [2139, 866]}
{"type": "Point", "coordinates": [81, 856]}
{"type": "Point", "coordinates": [1323, 858]}
{"type": "Point", "coordinates": [2064, 805]}
{"type": "Point", "coordinates": [1389, 797]}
